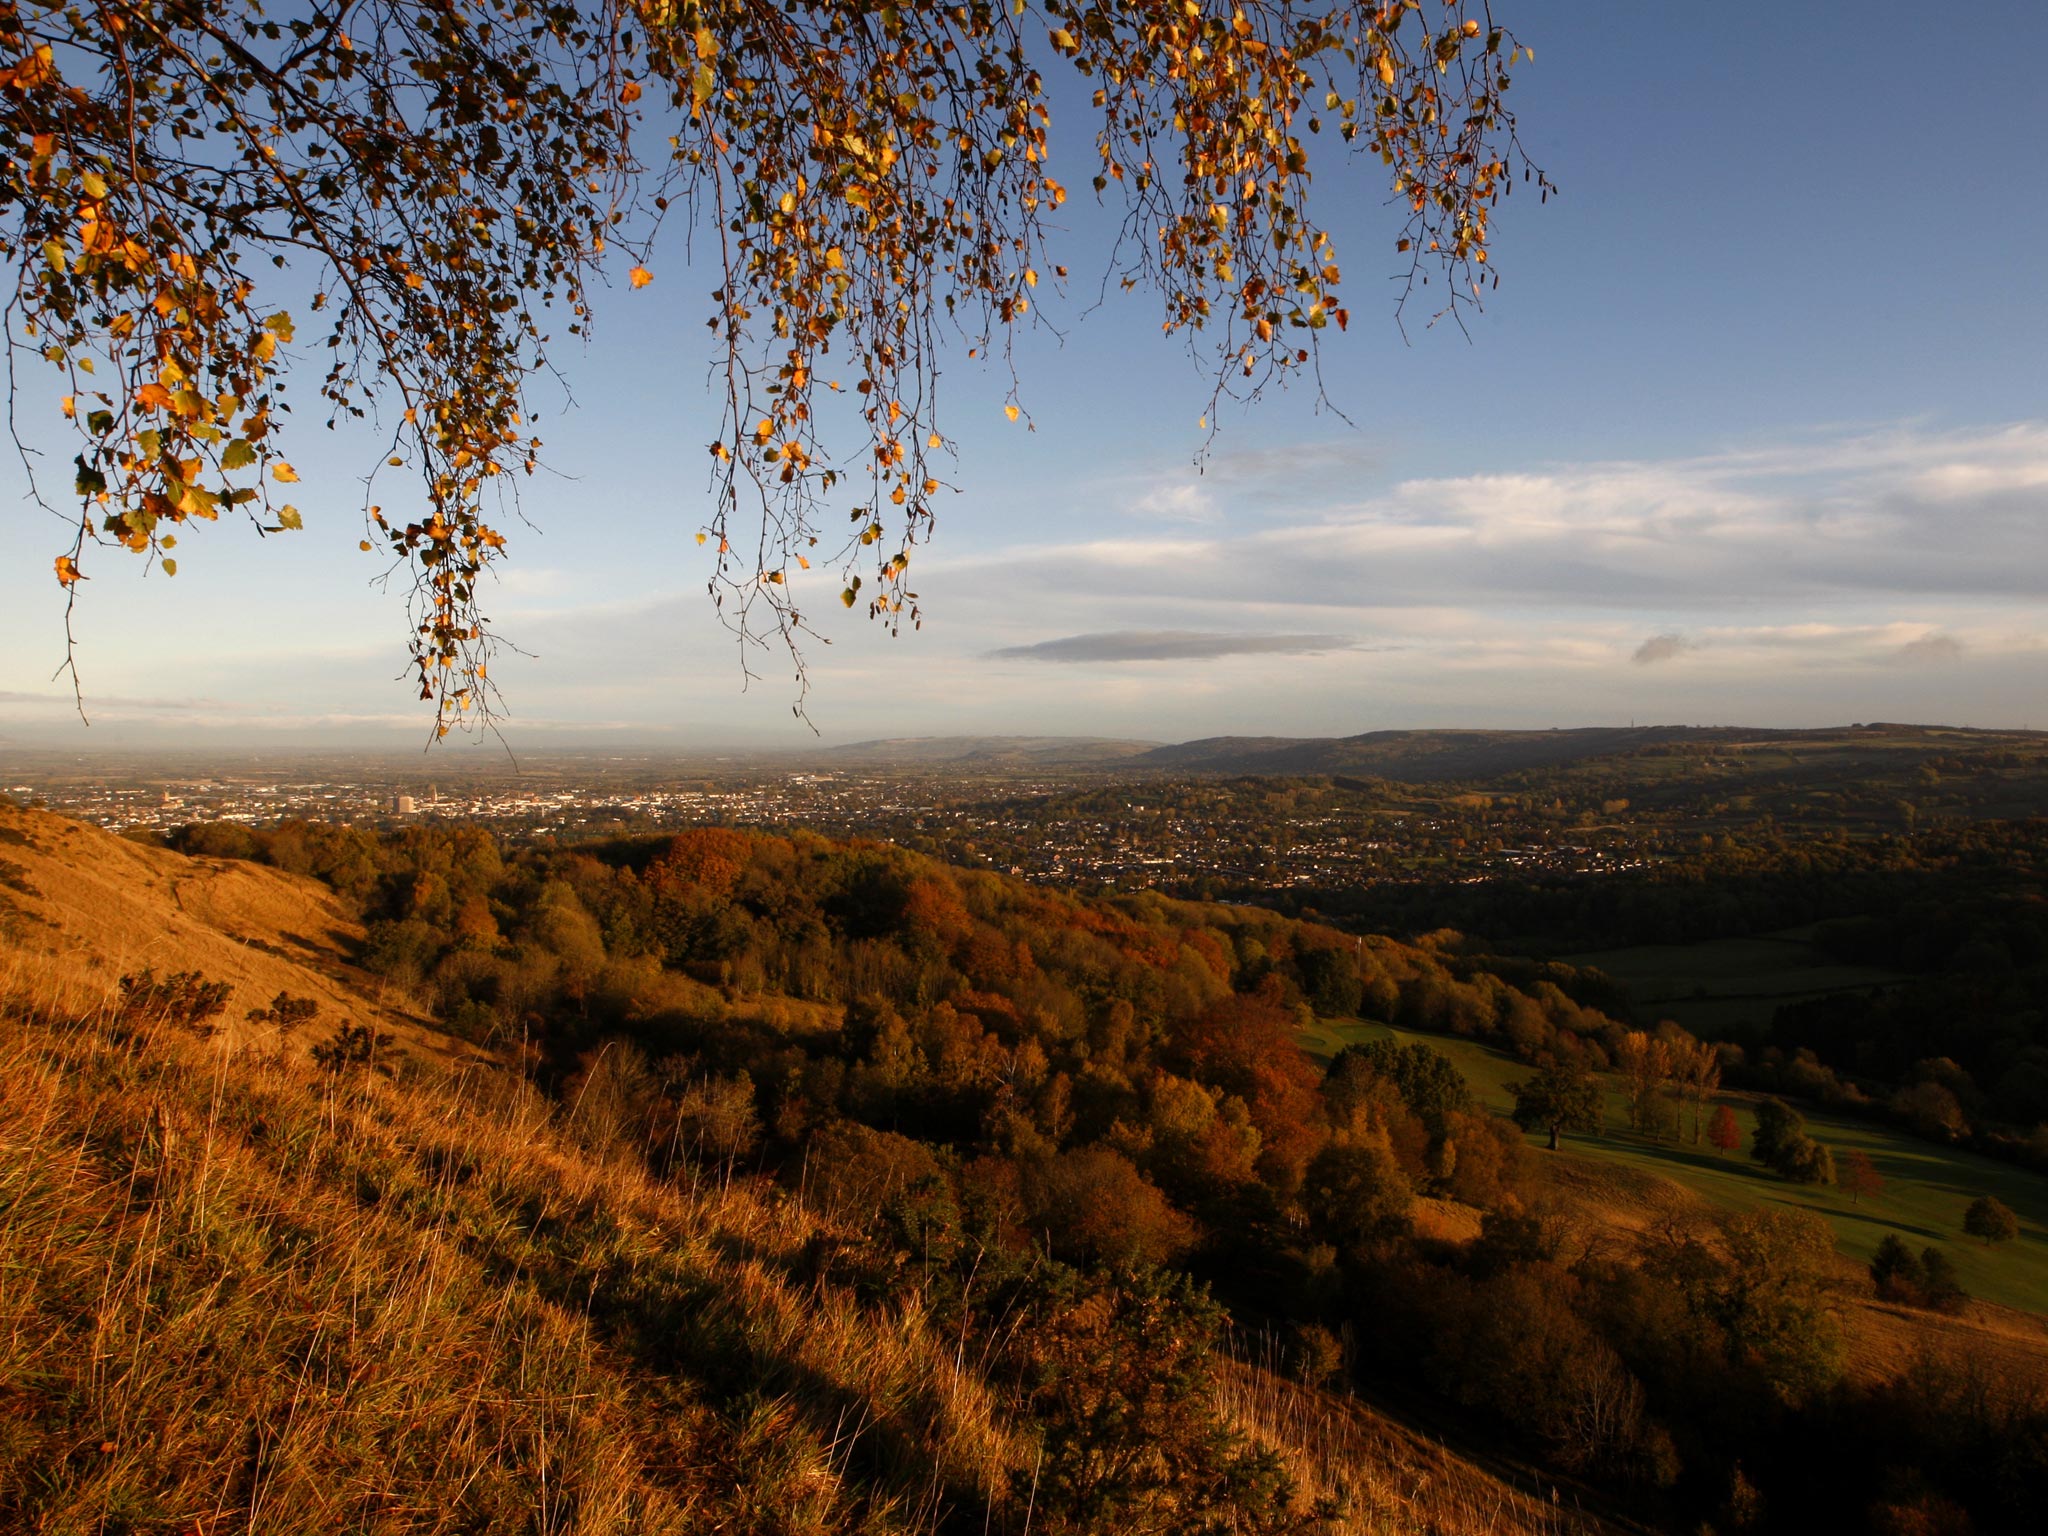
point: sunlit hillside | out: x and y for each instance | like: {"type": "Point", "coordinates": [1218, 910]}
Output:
{"type": "Point", "coordinates": [274, 1273]}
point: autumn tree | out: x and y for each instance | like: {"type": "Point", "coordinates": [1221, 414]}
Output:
{"type": "Point", "coordinates": [1858, 1176]}
{"type": "Point", "coordinates": [1722, 1131]}
{"type": "Point", "coordinates": [1646, 1063]}
{"type": "Point", "coordinates": [1991, 1220]}
{"type": "Point", "coordinates": [1562, 1097]}
{"type": "Point", "coordinates": [868, 187]}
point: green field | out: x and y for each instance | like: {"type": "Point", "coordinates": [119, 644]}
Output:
{"type": "Point", "coordinates": [1926, 1186]}
{"type": "Point", "coordinates": [1729, 986]}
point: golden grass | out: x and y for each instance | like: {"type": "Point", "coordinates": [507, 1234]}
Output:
{"type": "Point", "coordinates": [83, 907]}
{"type": "Point", "coordinates": [240, 1292]}
{"type": "Point", "coordinates": [1383, 1477]}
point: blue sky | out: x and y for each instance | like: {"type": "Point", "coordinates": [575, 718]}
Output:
{"type": "Point", "coordinates": [1755, 430]}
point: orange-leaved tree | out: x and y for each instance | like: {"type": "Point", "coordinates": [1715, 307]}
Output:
{"type": "Point", "coordinates": [446, 178]}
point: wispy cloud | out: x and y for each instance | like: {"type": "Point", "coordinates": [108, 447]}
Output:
{"type": "Point", "coordinates": [1667, 647]}
{"type": "Point", "coordinates": [1175, 502]}
{"type": "Point", "coordinates": [1170, 645]}
{"type": "Point", "coordinates": [1870, 517]}
{"type": "Point", "coordinates": [1933, 649]}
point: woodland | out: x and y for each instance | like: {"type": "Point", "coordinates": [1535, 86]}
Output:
{"type": "Point", "coordinates": [1019, 1087]}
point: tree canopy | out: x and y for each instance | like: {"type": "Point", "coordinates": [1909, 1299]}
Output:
{"type": "Point", "coordinates": [869, 185]}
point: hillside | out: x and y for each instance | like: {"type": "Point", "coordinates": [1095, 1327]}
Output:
{"type": "Point", "coordinates": [1476, 756]}
{"type": "Point", "coordinates": [244, 1289]}
{"type": "Point", "coordinates": [79, 908]}
{"type": "Point", "coordinates": [971, 753]}
{"type": "Point", "coordinates": [1196, 1279]}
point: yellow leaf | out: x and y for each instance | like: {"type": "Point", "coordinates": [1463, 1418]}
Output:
{"type": "Point", "coordinates": [1010, 411]}
{"type": "Point", "coordinates": [700, 538]}
{"type": "Point", "coordinates": [67, 570]}
{"type": "Point", "coordinates": [283, 473]}
{"type": "Point", "coordinates": [640, 277]}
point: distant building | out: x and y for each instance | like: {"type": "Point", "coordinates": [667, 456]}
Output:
{"type": "Point", "coordinates": [404, 805]}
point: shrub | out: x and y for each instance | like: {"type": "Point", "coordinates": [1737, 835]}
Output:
{"type": "Point", "coordinates": [184, 998]}
{"type": "Point", "coordinates": [351, 1048]}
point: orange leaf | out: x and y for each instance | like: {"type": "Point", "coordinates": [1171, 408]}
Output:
{"type": "Point", "coordinates": [67, 570]}
{"type": "Point", "coordinates": [641, 277]}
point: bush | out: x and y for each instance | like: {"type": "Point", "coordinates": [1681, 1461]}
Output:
{"type": "Point", "coordinates": [1805, 1161]}
{"type": "Point", "coordinates": [184, 998]}
{"type": "Point", "coordinates": [351, 1048]}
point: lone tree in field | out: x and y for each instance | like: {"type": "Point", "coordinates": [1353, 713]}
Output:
{"type": "Point", "coordinates": [868, 186]}
{"type": "Point", "coordinates": [1857, 1176]}
{"type": "Point", "coordinates": [1991, 1220]}
{"type": "Point", "coordinates": [1563, 1097]}
{"type": "Point", "coordinates": [1722, 1130]}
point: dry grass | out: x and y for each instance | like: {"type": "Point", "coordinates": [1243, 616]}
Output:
{"type": "Point", "coordinates": [82, 907]}
{"type": "Point", "coordinates": [240, 1292]}
{"type": "Point", "coordinates": [1380, 1476]}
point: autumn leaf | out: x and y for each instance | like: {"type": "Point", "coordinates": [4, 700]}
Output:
{"type": "Point", "coordinates": [67, 570]}
{"type": "Point", "coordinates": [283, 473]}
{"type": "Point", "coordinates": [640, 277]}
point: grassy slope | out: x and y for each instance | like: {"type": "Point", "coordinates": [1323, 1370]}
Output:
{"type": "Point", "coordinates": [236, 1291]}
{"type": "Point", "coordinates": [1927, 1186]}
{"type": "Point", "coordinates": [1726, 985]}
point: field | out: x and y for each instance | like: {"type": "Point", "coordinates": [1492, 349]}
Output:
{"type": "Point", "coordinates": [1729, 987]}
{"type": "Point", "coordinates": [1926, 1186]}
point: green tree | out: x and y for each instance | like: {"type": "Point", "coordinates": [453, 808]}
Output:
{"type": "Point", "coordinates": [1426, 1080]}
{"type": "Point", "coordinates": [1355, 1192]}
{"type": "Point", "coordinates": [450, 179]}
{"type": "Point", "coordinates": [1777, 1123]}
{"type": "Point", "coordinates": [1941, 1288]}
{"type": "Point", "coordinates": [1897, 1275]}
{"type": "Point", "coordinates": [1805, 1161]}
{"type": "Point", "coordinates": [1759, 1294]}
{"type": "Point", "coordinates": [1991, 1220]}
{"type": "Point", "coordinates": [1562, 1097]}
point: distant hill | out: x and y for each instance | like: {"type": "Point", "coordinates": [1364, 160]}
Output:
{"type": "Point", "coordinates": [1415, 756]}
{"type": "Point", "coordinates": [991, 752]}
